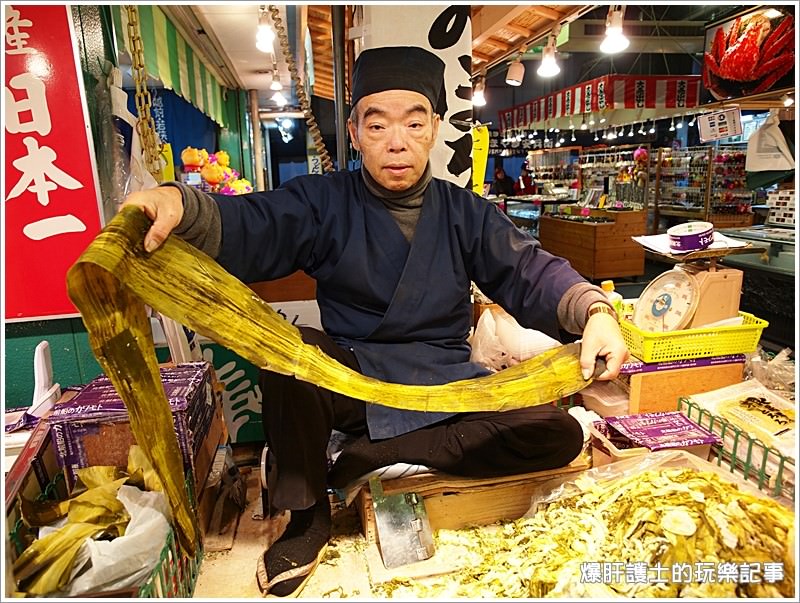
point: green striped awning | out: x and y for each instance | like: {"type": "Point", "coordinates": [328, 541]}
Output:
{"type": "Point", "coordinates": [169, 58]}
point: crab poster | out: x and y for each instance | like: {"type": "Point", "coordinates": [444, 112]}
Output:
{"type": "Point", "coordinates": [750, 53]}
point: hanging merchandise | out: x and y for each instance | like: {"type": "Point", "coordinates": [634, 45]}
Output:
{"type": "Point", "coordinates": [770, 158]}
{"type": "Point", "coordinates": [212, 173]}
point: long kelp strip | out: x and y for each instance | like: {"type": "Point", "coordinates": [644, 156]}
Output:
{"type": "Point", "coordinates": [115, 277]}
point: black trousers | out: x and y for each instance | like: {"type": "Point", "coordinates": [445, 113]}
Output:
{"type": "Point", "coordinates": [298, 418]}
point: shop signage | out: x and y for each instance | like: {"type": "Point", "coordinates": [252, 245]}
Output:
{"type": "Point", "coordinates": [52, 206]}
{"type": "Point", "coordinates": [722, 124]}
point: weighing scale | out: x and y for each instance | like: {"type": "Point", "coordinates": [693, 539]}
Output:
{"type": "Point", "coordinates": [696, 292]}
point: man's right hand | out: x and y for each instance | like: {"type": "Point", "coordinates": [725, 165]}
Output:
{"type": "Point", "coordinates": [163, 205]}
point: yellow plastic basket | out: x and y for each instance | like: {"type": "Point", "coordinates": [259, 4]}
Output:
{"type": "Point", "coordinates": [693, 343]}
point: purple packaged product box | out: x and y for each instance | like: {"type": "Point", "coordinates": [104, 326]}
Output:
{"type": "Point", "coordinates": [93, 428]}
{"type": "Point", "coordinates": [662, 430]}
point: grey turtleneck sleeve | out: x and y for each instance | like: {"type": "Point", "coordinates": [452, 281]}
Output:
{"type": "Point", "coordinates": [201, 225]}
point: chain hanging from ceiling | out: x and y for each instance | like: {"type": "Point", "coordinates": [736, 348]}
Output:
{"type": "Point", "coordinates": [311, 122]}
{"type": "Point", "coordinates": [145, 126]}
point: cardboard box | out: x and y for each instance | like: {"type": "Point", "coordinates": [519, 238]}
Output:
{"type": "Point", "coordinates": [93, 427]}
{"type": "Point", "coordinates": [618, 438]}
{"type": "Point", "coordinates": [657, 386]}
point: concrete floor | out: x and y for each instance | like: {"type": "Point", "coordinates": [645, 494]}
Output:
{"type": "Point", "coordinates": [344, 571]}
{"type": "Point", "coordinates": [351, 567]}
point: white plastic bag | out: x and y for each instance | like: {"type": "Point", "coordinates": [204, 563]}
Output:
{"type": "Point", "coordinates": [129, 560]}
{"type": "Point", "coordinates": [486, 347]}
{"type": "Point", "coordinates": [767, 149]}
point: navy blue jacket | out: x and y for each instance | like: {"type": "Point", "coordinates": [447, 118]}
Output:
{"type": "Point", "coordinates": [404, 309]}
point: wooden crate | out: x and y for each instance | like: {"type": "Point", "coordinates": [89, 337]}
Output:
{"type": "Point", "coordinates": [731, 220]}
{"type": "Point", "coordinates": [598, 250]}
{"type": "Point", "coordinates": [455, 502]}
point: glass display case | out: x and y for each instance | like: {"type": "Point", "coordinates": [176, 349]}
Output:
{"type": "Point", "coordinates": [768, 287]}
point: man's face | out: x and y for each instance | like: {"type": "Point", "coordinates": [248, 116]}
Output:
{"type": "Point", "coordinates": [395, 132]}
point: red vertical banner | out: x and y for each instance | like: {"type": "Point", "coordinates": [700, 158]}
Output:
{"type": "Point", "coordinates": [52, 203]}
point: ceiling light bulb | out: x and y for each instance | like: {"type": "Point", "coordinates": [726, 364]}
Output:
{"type": "Point", "coordinates": [279, 99]}
{"type": "Point", "coordinates": [595, 136]}
{"type": "Point", "coordinates": [549, 67]}
{"type": "Point", "coordinates": [694, 119]}
{"type": "Point", "coordinates": [615, 41]}
{"type": "Point", "coordinates": [478, 98]}
{"type": "Point", "coordinates": [652, 129]}
{"type": "Point", "coordinates": [275, 84]}
{"type": "Point", "coordinates": [672, 125]}
{"type": "Point", "coordinates": [630, 132]}
{"type": "Point", "coordinates": [679, 125]}
{"type": "Point", "coordinates": [573, 137]}
{"type": "Point", "coordinates": [591, 120]}
{"type": "Point", "coordinates": [286, 123]}
{"type": "Point", "coordinates": [602, 120]}
{"type": "Point", "coordinates": [265, 37]}
{"type": "Point", "coordinates": [583, 123]}
{"type": "Point", "coordinates": [516, 71]}
{"type": "Point", "coordinates": [788, 101]}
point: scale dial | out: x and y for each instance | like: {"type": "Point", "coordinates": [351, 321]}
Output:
{"type": "Point", "coordinates": [668, 302]}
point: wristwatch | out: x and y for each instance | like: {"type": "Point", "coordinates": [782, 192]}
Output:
{"type": "Point", "coordinates": [604, 309]}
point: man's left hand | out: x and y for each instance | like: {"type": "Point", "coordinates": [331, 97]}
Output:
{"type": "Point", "coordinates": [602, 337]}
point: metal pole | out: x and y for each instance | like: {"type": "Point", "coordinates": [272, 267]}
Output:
{"type": "Point", "coordinates": [255, 122]}
{"type": "Point", "coordinates": [337, 20]}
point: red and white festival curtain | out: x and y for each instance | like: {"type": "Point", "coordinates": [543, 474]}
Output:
{"type": "Point", "coordinates": [622, 99]}
{"type": "Point", "coordinates": [52, 206]}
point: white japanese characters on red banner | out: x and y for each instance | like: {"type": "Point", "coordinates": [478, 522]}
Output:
{"type": "Point", "coordinates": [627, 97]}
{"type": "Point", "coordinates": [722, 124]}
{"type": "Point", "coordinates": [52, 206]}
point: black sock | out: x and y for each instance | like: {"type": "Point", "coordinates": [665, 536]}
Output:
{"type": "Point", "coordinates": [307, 532]}
{"type": "Point", "coordinates": [361, 457]}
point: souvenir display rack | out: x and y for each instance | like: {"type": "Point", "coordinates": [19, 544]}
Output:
{"type": "Point", "coordinates": [704, 184]}
{"type": "Point", "coordinates": [614, 171]}
{"type": "Point", "coordinates": [559, 167]}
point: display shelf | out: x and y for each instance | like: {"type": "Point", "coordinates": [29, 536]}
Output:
{"type": "Point", "coordinates": [615, 173]}
{"type": "Point", "coordinates": [557, 167]}
{"type": "Point", "coordinates": [702, 183]}
{"type": "Point", "coordinates": [597, 249]}
{"type": "Point", "coordinates": [729, 180]}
